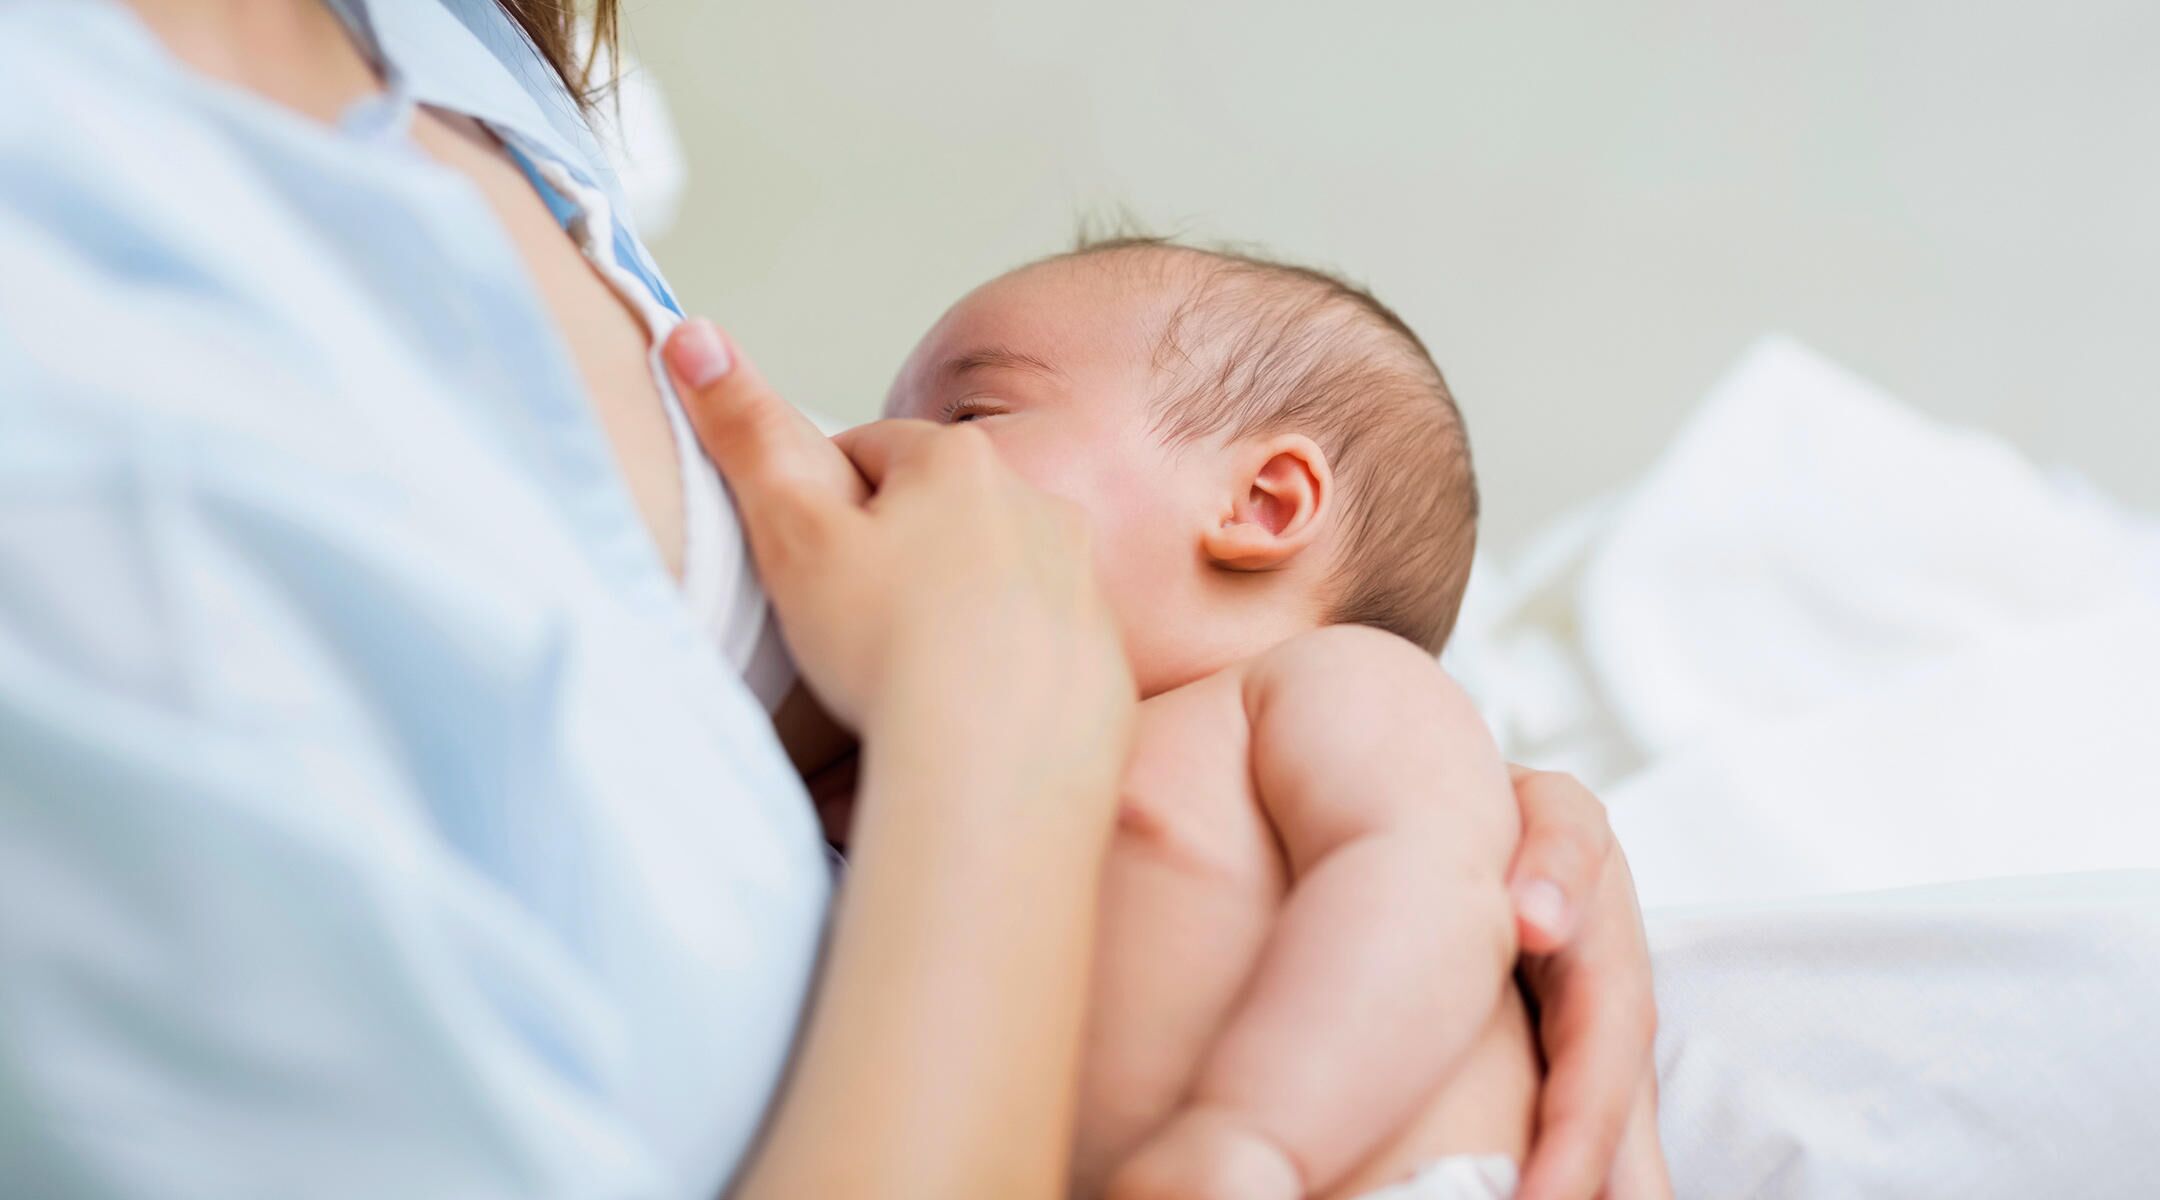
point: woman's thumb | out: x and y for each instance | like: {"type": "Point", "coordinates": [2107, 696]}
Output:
{"type": "Point", "coordinates": [781, 469]}
{"type": "Point", "coordinates": [763, 447]}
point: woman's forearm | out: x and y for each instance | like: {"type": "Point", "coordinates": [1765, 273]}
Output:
{"type": "Point", "coordinates": [941, 1052]}
{"type": "Point", "coordinates": [952, 614]}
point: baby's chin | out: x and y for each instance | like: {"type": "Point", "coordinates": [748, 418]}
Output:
{"type": "Point", "coordinates": [1167, 654]}
{"type": "Point", "coordinates": [1159, 671]}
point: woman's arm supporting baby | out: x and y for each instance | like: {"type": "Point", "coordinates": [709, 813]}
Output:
{"type": "Point", "coordinates": [1396, 942]}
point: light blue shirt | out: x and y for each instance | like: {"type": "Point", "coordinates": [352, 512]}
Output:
{"type": "Point", "coordinates": [375, 821]}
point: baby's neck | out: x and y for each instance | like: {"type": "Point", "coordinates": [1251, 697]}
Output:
{"type": "Point", "coordinates": [1195, 664]}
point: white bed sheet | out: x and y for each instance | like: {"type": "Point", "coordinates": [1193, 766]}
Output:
{"type": "Point", "coordinates": [1824, 647]}
{"type": "Point", "coordinates": [1982, 1040]}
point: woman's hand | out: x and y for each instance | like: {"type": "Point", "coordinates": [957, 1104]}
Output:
{"type": "Point", "coordinates": [1587, 966]}
{"type": "Point", "coordinates": [949, 614]}
{"type": "Point", "coordinates": [906, 562]}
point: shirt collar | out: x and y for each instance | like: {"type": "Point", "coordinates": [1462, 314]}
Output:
{"type": "Point", "coordinates": [468, 56]}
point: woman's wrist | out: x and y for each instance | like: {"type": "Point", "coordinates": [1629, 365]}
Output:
{"type": "Point", "coordinates": [956, 975]}
{"type": "Point", "coordinates": [1046, 728]}
{"type": "Point", "coordinates": [1017, 779]}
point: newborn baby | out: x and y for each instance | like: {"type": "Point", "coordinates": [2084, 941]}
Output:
{"type": "Point", "coordinates": [1304, 969]}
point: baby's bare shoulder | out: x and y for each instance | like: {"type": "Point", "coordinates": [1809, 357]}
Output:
{"type": "Point", "coordinates": [1355, 729]}
{"type": "Point", "coordinates": [1352, 673]}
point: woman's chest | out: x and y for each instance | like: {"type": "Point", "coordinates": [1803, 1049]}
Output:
{"type": "Point", "coordinates": [608, 340]}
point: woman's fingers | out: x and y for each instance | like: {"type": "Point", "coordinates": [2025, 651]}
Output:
{"type": "Point", "coordinates": [1640, 1173]}
{"type": "Point", "coordinates": [956, 585]}
{"type": "Point", "coordinates": [1557, 870]}
{"type": "Point", "coordinates": [881, 447]}
{"type": "Point", "coordinates": [758, 440]}
{"type": "Point", "coordinates": [789, 480]}
{"type": "Point", "coordinates": [1588, 967]}
{"type": "Point", "coordinates": [1596, 1039]}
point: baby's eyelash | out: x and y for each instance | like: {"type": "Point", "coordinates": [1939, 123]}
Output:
{"type": "Point", "coordinates": [955, 410]}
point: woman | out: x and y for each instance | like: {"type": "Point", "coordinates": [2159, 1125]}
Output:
{"type": "Point", "coordinates": [375, 816]}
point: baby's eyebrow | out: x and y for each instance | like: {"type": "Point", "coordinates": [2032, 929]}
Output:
{"type": "Point", "coordinates": [999, 356]}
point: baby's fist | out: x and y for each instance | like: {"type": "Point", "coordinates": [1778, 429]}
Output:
{"type": "Point", "coordinates": [1205, 1154]}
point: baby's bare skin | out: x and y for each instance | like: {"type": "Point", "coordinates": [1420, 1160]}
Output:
{"type": "Point", "coordinates": [1192, 925]}
{"type": "Point", "coordinates": [1225, 979]}
{"type": "Point", "coordinates": [1304, 968]}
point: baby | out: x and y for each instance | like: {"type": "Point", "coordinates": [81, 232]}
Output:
{"type": "Point", "coordinates": [1304, 969]}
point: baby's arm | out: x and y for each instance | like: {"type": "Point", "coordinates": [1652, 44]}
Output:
{"type": "Point", "coordinates": [1396, 816]}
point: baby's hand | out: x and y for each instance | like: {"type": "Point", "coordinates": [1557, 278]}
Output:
{"type": "Point", "coordinates": [1207, 1154]}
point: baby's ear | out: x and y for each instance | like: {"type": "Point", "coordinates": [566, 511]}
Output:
{"type": "Point", "coordinates": [1280, 487]}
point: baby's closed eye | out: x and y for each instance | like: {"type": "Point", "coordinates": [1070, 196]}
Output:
{"type": "Point", "coordinates": [974, 408]}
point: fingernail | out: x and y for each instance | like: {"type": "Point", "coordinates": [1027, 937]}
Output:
{"type": "Point", "coordinates": [699, 353]}
{"type": "Point", "coordinates": [1541, 903]}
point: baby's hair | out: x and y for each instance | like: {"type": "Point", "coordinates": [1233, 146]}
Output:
{"type": "Point", "coordinates": [1259, 346]}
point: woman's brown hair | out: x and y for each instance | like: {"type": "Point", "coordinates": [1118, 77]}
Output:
{"type": "Point", "coordinates": [553, 27]}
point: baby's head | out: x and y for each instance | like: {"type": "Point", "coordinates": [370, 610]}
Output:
{"type": "Point", "coordinates": [1261, 449]}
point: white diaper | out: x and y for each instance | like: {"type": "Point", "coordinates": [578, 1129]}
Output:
{"type": "Point", "coordinates": [1463, 1177]}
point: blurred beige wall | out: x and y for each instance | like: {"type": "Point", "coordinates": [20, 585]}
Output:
{"type": "Point", "coordinates": [1586, 214]}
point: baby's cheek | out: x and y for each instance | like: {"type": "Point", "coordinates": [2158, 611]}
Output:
{"type": "Point", "coordinates": [1056, 471]}
{"type": "Point", "coordinates": [1113, 511]}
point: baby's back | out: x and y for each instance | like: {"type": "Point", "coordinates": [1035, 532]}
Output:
{"type": "Point", "coordinates": [1196, 883]}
